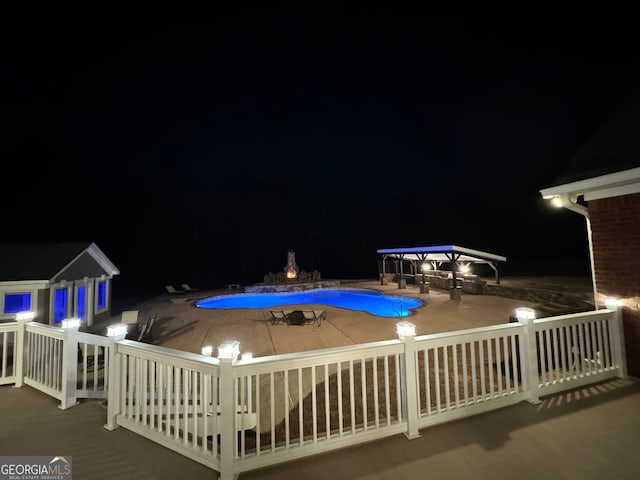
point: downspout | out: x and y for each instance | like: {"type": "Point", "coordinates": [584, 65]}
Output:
{"type": "Point", "coordinates": [569, 202]}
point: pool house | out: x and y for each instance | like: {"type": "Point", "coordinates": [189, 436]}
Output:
{"type": "Point", "coordinates": [56, 281]}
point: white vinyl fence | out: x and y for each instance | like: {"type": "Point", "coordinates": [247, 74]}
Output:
{"type": "Point", "coordinates": [237, 415]}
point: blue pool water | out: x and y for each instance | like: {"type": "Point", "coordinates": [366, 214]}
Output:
{"type": "Point", "coordinates": [354, 299]}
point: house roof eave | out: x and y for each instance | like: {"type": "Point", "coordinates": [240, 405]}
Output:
{"type": "Point", "coordinates": [624, 182]}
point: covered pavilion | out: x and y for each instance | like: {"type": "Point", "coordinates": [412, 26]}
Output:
{"type": "Point", "coordinates": [437, 255]}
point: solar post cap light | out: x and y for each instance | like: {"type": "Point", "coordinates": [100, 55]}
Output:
{"type": "Point", "coordinates": [525, 313]}
{"type": "Point", "coordinates": [116, 330]}
{"type": "Point", "coordinates": [70, 323]}
{"type": "Point", "coordinates": [25, 315]}
{"type": "Point", "coordinates": [207, 350]}
{"type": "Point", "coordinates": [229, 350]}
{"type": "Point", "coordinates": [405, 329]}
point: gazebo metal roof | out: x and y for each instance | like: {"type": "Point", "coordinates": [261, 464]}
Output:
{"type": "Point", "coordinates": [443, 253]}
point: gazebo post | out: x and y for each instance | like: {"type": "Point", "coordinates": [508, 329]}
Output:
{"type": "Point", "coordinates": [495, 270]}
{"type": "Point", "coordinates": [454, 294]}
{"type": "Point", "coordinates": [383, 278]}
{"type": "Point", "coordinates": [424, 288]}
{"type": "Point", "coordinates": [401, 281]}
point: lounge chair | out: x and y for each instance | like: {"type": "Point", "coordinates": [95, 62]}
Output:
{"type": "Point", "coordinates": [187, 288]}
{"type": "Point", "coordinates": [171, 289]}
{"type": "Point", "coordinates": [278, 316]}
{"type": "Point", "coordinates": [314, 316]}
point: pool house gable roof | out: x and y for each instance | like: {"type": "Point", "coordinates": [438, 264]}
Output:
{"type": "Point", "coordinates": [51, 262]}
{"type": "Point", "coordinates": [443, 253]}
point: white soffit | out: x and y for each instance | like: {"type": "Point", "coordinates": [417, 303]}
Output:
{"type": "Point", "coordinates": [625, 182]}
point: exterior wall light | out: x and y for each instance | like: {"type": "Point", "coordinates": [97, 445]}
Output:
{"type": "Point", "coordinates": [557, 202]}
{"type": "Point", "coordinates": [405, 329]}
{"type": "Point", "coordinates": [229, 350]}
{"type": "Point", "coordinates": [207, 350]}
{"type": "Point", "coordinates": [116, 330]}
{"type": "Point", "coordinates": [70, 323]}
{"type": "Point", "coordinates": [25, 315]}
{"type": "Point", "coordinates": [525, 313]}
{"type": "Point", "coordinates": [612, 302]}
{"type": "Point", "coordinates": [425, 267]}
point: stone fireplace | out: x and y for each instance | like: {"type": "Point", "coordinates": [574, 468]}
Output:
{"type": "Point", "coordinates": [291, 279]}
{"type": "Point", "coordinates": [291, 269]}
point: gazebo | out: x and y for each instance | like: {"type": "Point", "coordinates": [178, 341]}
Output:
{"type": "Point", "coordinates": [437, 255]}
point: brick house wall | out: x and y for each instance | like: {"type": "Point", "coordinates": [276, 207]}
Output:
{"type": "Point", "coordinates": [615, 225]}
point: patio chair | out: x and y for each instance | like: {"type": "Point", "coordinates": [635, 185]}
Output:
{"type": "Point", "coordinates": [187, 288]}
{"type": "Point", "coordinates": [90, 353]}
{"type": "Point", "coordinates": [278, 316]}
{"type": "Point", "coordinates": [171, 289]}
{"type": "Point", "coordinates": [146, 329]}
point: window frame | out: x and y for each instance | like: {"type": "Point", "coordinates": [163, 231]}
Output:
{"type": "Point", "coordinates": [16, 292]}
{"type": "Point", "coordinates": [96, 307]}
{"type": "Point", "coordinates": [52, 302]}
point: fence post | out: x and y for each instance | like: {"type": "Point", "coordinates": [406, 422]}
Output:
{"type": "Point", "coordinates": [21, 349]}
{"type": "Point", "coordinates": [529, 354]}
{"type": "Point", "coordinates": [69, 363]}
{"type": "Point", "coordinates": [227, 354]}
{"type": "Point", "coordinates": [408, 376]}
{"type": "Point", "coordinates": [615, 304]}
{"type": "Point", "coordinates": [116, 333]}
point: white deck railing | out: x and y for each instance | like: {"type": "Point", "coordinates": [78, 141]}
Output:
{"type": "Point", "coordinates": [575, 350]}
{"type": "Point", "coordinates": [467, 372]}
{"type": "Point", "coordinates": [93, 365]}
{"type": "Point", "coordinates": [61, 362]}
{"type": "Point", "coordinates": [168, 396]}
{"type": "Point", "coordinates": [315, 401]}
{"type": "Point", "coordinates": [8, 352]}
{"type": "Point", "coordinates": [238, 415]}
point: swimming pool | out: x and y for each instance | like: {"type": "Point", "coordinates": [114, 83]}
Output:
{"type": "Point", "coordinates": [354, 299]}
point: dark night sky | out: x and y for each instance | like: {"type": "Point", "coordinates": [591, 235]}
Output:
{"type": "Point", "coordinates": [199, 147]}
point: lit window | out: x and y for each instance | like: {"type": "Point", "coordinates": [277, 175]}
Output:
{"type": "Point", "coordinates": [102, 295]}
{"type": "Point", "coordinates": [61, 298]}
{"type": "Point", "coordinates": [17, 302]}
{"type": "Point", "coordinates": [81, 302]}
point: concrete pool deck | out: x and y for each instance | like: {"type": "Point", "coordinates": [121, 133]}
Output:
{"type": "Point", "coordinates": [183, 326]}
